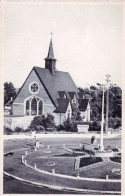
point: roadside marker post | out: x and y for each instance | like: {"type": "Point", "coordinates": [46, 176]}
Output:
{"type": "Point", "coordinates": [35, 167]}
{"type": "Point", "coordinates": [53, 171]}
{"type": "Point", "coordinates": [107, 177]}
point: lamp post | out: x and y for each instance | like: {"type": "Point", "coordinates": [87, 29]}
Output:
{"type": "Point", "coordinates": [107, 101]}
{"type": "Point", "coordinates": [101, 147]}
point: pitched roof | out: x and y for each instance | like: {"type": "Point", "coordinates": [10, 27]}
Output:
{"type": "Point", "coordinates": [9, 103]}
{"type": "Point", "coordinates": [62, 105]}
{"type": "Point", "coordinates": [83, 103]}
{"type": "Point", "coordinates": [61, 81]}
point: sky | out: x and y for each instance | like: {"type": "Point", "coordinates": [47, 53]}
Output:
{"type": "Point", "coordinates": [87, 40]}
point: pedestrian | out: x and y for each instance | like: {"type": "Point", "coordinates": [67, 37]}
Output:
{"type": "Point", "coordinates": [92, 140]}
{"type": "Point", "coordinates": [37, 144]}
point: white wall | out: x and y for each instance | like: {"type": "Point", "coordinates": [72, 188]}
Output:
{"type": "Point", "coordinates": [13, 122]}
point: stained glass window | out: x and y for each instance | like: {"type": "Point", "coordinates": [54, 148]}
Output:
{"type": "Point", "coordinates": [34, 106]}
{"type": "Point", "coordinates": [34, 87]}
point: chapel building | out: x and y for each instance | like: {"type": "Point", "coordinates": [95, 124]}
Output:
{"type": "Point", "coordinates": [47, 90]}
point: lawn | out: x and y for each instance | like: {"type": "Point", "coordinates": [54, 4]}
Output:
{"type": "Point", "coordinates": [101, 172]}
{"type": "Point", "coordinates": [42, 158]}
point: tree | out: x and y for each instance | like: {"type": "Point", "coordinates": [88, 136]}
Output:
{"type": "Point", "coordinates": [76, 115]}
{"type": "Point", "coordinates": [9, 92]}
{"type": "Point", "coordinates": [49, 122]}
{"type": "Point", "coordinates": [115, 97]}
{"type": "Point", "coordinates": [115, 103]}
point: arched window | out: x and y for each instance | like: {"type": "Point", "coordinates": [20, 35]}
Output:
{"type": "Point", "coordinates": [34, 106]}
{"type": "Point", "coordinates": [40, 107]}
{"type": "Point", "coordinates": [27, 107]}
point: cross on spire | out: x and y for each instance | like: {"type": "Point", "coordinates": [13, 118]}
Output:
{"type": "Point", "coordinates": [51, 34]}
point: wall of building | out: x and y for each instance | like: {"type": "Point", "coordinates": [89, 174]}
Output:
{"type": "Point", "coordinates": [86, 115]}
{"type": "Point", "coordinates": [18, 108]}
{"type": "Point", "coordinates": [69, 111]}
{"type": "Point", "coordinates": [18, 105]}
{"type": "Point", "coordinates": [48, 109]}
{"type": "Point", "coordinates": [59, 118]}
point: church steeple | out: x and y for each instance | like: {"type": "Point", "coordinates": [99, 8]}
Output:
{"type": "Point", "coordinates": [50, 51]}
{"type": "Point", "coordinates": [50, 61]}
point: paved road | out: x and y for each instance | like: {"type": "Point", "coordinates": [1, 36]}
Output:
{"type": "Point", "coordinates": [16, 187]}
{"type": "Point", "coordinates": [12, 186]}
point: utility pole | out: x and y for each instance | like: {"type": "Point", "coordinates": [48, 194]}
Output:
{"type": "Point", "coordinates": [107, 101]}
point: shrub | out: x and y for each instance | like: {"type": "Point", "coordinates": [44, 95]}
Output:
{"type": "Point", "coordinates": [28, 130]}
{"type": "Point", "coordinates": [114, 123]}
{"type": "Point", "coordinates": [42, 123]}
{"type": "Point", "coordinates": [19, 130]}
{"type": "Point", "coordinates": [60, 127]}
{"type": "Point", "coordinates": [70, 125]}
{"type": "Point", "coordinates": [8, 131]}
{"type": "Point", "coordinates": [95, 126]}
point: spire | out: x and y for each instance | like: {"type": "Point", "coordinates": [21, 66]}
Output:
{"type": "Point", "coordinates": [50, 61]}
{"type": "Point", "coordinates": [50, 51]}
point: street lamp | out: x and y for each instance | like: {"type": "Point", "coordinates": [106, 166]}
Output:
{"type": "Point", "coordinates": [107, 101]}
{"type": "Point", "coordinates": [101, 147]}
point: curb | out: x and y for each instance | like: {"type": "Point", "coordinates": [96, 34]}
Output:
{"type": "Point", "coordinates": [58, 187]}
{"type": "Point", "coordinates": [49, 135]}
